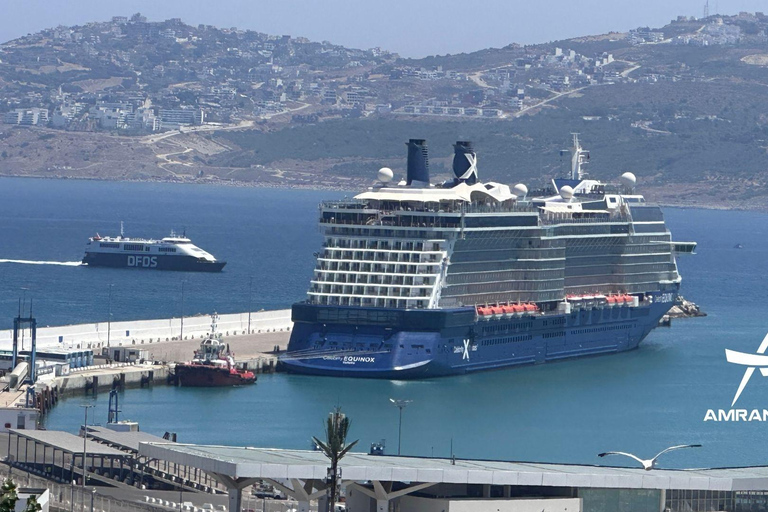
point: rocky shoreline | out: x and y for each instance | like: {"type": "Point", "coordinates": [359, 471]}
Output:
{"type": "Point", "coordinates": [682, 309]}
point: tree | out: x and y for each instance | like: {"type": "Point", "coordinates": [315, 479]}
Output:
{"type": "Point", "coordinates": [335, 447]}
{"type": "Point", "coordinates": [10, 497]}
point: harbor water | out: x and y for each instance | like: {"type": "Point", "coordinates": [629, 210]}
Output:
{"type": "Point", "coordinates": [640, 401]}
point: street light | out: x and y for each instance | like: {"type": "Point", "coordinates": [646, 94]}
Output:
{"type": "Point", "coordinates": [183, 282]}
{"type": "Point", "coordinates": [85, 439]}
{"type": "Point", "coordinates": [400, 404]}
{"type": "Point", "coordinates": [109, 318]}
{"type": "Point", "coordinates": [250, 295]}
{"type": "Point", "coordinates": [21, 310]}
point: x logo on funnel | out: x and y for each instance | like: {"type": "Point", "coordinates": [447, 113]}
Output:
{"type": "Point", "coordinates": [751, 361]}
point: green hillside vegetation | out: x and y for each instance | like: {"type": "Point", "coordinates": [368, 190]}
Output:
{"type": "Point", "coordinates": [701, 128]}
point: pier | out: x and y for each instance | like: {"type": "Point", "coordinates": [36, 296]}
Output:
{"type": "Point", "coordinates": [152, 347]}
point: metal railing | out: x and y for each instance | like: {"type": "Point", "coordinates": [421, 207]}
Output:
{"type": "Point", "coordinates": [72, 498]}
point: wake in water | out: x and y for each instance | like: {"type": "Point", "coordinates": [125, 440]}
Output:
{"type": "Point", "coordinates": [28, 262]}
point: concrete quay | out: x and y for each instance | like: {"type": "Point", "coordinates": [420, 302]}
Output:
{"type": "Point", "coordinates": [148, 332]}
{"type": "Point", "coordinates": [245, 346]}
{"type": "Point", "coordinates": [106, 377]}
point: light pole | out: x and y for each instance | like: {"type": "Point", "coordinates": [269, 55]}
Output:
{"type": "Point", "coordinates": [183, 282]}
{"type": "Point", "coordinates": [85, 439]}
{"type": "Point", "coordinates": [109, 318]}
{"type": "Point", "coordinates": [250, 295]}
{"type": "Point", "coordinates": [400, 404]}
{"type": "Point", "coordinates": [21, 310]}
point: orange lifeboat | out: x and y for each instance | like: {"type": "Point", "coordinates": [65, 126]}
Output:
{"type": "Point", "coordinates": [508, 310]}
{"type": "Point", "coordinates": [530, 308]}
{"type": "Point", "coordinates": [497, 310]}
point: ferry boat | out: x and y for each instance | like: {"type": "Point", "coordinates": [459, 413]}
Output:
{"type": "Point", "coordinates": [213, 365]}
{"type": "Point", "coordinates": [170, 253]}
{"type": "Point", "coordinates": [416, 280]}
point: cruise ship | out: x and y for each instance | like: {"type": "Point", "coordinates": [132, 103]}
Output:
{"type": "Point", "coordinates": [418, 280]}
{"type": "Point", "coordinates": [169, 253]}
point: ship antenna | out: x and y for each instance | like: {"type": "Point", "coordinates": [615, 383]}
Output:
{"type": "Point", "coordinates": [121, 229]}
{"type": "Point", "coordinates": [214, 319]}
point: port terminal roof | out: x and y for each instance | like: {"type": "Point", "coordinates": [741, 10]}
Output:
{"type": "Point", "coordinates": [126, 441]}
{"type": "Point", "coordinates": [67, 442]}
{"type": "Point", "coordinates": [264, 463]}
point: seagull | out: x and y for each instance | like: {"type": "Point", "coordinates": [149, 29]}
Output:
{"type": "Point", "coordinates": [650, 463]}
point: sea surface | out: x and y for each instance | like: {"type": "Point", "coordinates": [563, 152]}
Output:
{"type": "Point", "coordinates": [641, 401]}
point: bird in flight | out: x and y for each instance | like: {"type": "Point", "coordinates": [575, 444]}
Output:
{"type": "Point", "coordinates": [650, 464]}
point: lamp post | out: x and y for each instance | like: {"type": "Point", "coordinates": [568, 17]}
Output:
{"type": "Point", "coordinates": [85, 439]}
{"type": "Point", "coordinates": [250, 295]}
{"type": "Point", "coordinates": [109, 318]}
{"type": "Point", "coordinates": [21, 310]}
{"type": "Point", "coordinates": [400, 404]}
{"type": "Point", "coordinates": [183, 282]}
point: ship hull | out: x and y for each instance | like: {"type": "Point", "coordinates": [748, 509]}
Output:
{"type": "Point", "coordinates": [188, 375]}
{"type": "Point", "coordinates": [154, 262]}
{"type": "Point", "coordinates": [438, 343]}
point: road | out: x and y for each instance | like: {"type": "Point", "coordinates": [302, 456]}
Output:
{"type": "Point", "coordinates": [548, 100]}
{"type": "Point", "coordinates": [152, 139]}
{"type": "Point", "coordinates": [475, 77]}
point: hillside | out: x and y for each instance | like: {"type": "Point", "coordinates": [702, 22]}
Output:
{"type": "Point", "coordinates": [684, 107]}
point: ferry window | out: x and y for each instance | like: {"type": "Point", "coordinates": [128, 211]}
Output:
{"type": "Point", "coordinates": [133, 247]}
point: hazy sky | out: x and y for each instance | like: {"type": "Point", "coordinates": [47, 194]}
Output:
{"type": "Point", "coordinates": [413, 28]}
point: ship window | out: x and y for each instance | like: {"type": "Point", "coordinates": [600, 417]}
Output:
{"type": "Point", "coordinates": [109, 245]}
{"type": "Point", "coordinates": [167, 249]}
{"type": "Point", "coordinates": [133, 247]}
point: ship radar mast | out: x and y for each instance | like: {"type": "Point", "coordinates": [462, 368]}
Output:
{"type": "Point", "coordinates": [121, 230]}
{"type": "Point", "coordinates": [214, 323]}
{"type": "Point", "coordinates": [579, 157]}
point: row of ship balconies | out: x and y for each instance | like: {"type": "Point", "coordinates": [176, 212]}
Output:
{"type": "Point", "coordinates": [385, 245]}
{"type": "Point", "coordinates": [376, 279]}
{"type": "Point", "coordinates": [376, 302]}
{"type": "Point", "coordinates": [326, 265]}
{"type": "Point", "coordinates": [376, 255]}
{"type": "Point", "coordinates": [318, 288]}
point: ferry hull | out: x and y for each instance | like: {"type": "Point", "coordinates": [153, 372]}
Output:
{"type": "Point", "coordinates": [454, 342]}
{"type": "Point", "coordinates": [154, 262]}
{"type": "Point", "coordinates": [188, 375]}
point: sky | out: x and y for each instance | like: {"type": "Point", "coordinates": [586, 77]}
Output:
{"type": "Point", "coordinates": [412, 28]}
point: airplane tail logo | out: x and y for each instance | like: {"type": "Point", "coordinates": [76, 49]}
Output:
{"type": "Point", "coordinates": [752, 362]}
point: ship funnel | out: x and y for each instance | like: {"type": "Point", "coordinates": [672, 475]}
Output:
{"type": "Point", "coordinates": [418, 162]}
{"type": "Point", "coordinates": [465, 162]}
